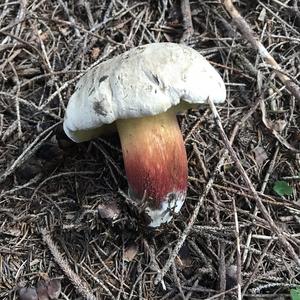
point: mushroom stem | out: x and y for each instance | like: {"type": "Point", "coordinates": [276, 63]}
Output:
{"type": "Point", "coordinates": [155, 162]}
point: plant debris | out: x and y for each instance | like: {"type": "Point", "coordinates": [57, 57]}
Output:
{"type": "Point", "coordinates": [61, 210]}
{"type": "Point", "coordinates": [46, 289]}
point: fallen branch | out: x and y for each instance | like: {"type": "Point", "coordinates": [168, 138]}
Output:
{"type": "Point", "coordinates": [250, 35]}
{"type": "Point", "coordinates": [187, 21]}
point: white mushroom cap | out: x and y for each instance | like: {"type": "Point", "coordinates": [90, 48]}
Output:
{"type": "Point", "coordinates": [144, 81]}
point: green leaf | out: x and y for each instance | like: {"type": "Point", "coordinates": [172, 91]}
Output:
{"type": "Point", "coordinates": [282, 189]}
{"type": "Point", "coordinates": [295, 294]}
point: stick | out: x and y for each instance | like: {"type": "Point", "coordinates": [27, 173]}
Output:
{"type": "Point", "coordinates": [238, 250]}
{"type": "Point", "coordinates": [187, 21]}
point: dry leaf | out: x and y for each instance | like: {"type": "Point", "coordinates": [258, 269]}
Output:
{"type": "Point", "coordinates": [42, 290]}
{"type": "Point", "coordinates": [44, 36]}
{"type": "Point", "coordinates": [28, 293]}
{"type": "Point", "coordinates": [54, 288]}
{"type": "Point", "coordinates": [95, 53]}
{"type": "Point", "coordinates": [279, 125]}
{"type": "Point", "coordinates": [130, 253]}
{"type": "Point", "coordinates": [48, 288]}
{"type": "Point", "coordinates": [109, 211]}
{"type": "Point", "coordinates": [260, 155]}
{"type": "Point", "coordinates": [64, 30]}
{"type": "Point", "coordinates": [184, 258]}
{"type": "Point", "coordinates": [270, 126]}
{"type": "Point", "coordinates": [262, 15]}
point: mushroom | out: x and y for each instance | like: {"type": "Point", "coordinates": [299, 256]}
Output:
{"type": "Point", "coordinates": [138, 93]}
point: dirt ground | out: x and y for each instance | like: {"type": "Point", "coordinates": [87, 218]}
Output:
{"type": "Point", "coordinates": [244, 242]}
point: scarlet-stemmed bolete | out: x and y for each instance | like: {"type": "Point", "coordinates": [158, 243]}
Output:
{"type": "Point", "coordinates": [139, 93]}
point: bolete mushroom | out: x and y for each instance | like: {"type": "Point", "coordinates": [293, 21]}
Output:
{"type": "Point", "coordinates": [139, 93]}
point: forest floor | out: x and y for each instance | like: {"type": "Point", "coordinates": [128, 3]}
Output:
{"type": "Point", "coordinates": [244, 241]}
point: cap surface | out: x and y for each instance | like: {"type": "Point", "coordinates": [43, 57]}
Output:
{"type": "Point", "coordinates": [144, 81]}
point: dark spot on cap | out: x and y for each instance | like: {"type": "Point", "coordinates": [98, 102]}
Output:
{"type": "Point", "coordinates": [140, 49]}
{"type": "Point", "coordinates": [102, 78]}
{"type": "Point", "coordinates": [125, 56]}
{"type": "Point", "coordinates": [91, 90]}
{"type": "Point", "coordinates": [155, 79]}
{"type": "Point", "coordinates": [99, 108]}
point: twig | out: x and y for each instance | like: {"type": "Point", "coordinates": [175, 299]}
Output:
{"type": "Point", "coordinates": [259, 289]}
{"type": "Point", "coordinates": [238, 250]}
{"type": "Point", "coordinates": [81, 286]}
{"type": "Point", "coordinates": [1, 125]}
{"type": "Point", "coordinates": [21, 15]}
{"type": "Point", "coordinates": [217, 296]}
{"type": "Point", "coordinates": [222, 266]}
{"type": "Point", "coordinates": [265, 198]}
{"type": "Point", "coordinates": [27, 44]}
{"type": "Point", "coordinates": [248, 182]}
{"type": "Point", "coordinates": [138, 281]}
{"type": "Point", "coordinates": [266, 179]}
{"type": "Point", "coordinates": [17, 103]}
{"type": "Point", "coordinates": [187, 21]}
{"type": "Point", "coordinates": [249, 34]}
{"type": "Point", "coordinates": [177, 281]}
{"type": "Point", "coordinates": [162, 13]}
{"type": "Point", "coordinates": [221, 260]}
{"type": "Point", "coordinates": [9, 131]}
{"type": "Point", "coordinates": [189, 294]}
{"type": "Point", "coordinates": [98, 281]}
{"type": "Point", "coordinates": [108, 158]}
{"type": "Point", "coordinates": [48, 65]}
